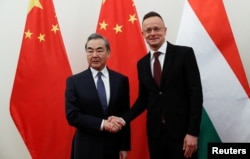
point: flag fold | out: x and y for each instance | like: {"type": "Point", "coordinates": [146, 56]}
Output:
{"type": "Point", "coordinates": [37, 99]}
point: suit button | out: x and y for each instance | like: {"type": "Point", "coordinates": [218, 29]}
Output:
{"type": "Point", "coordinates": [160, 93]}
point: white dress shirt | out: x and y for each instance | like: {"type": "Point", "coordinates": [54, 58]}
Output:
{"type": "Point", "coordinates": [105, 79]}
{"type": "Point", "coordinates": [161, 57]}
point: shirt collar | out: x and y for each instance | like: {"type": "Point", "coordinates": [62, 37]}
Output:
{"type": "Point", "coordinates": [162, 49]}
{"type": "Point", "coordinates": [104, 72]}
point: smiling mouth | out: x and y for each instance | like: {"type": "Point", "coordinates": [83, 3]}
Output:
{"type": "Point", "coordinates": [153, 40]}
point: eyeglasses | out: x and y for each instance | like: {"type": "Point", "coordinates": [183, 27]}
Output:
{"type": "Point", "coordinates": [155, 29]}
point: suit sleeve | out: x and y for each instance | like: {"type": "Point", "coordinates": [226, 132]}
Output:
{"type": "Point", "coordinates": [74, 115]}
{"type": "Point", "coordinates": [140, 104]}
{"type": "Point", "coordinates": [126, 131]}
{"type": "Point", "coordinates": [194, 93]}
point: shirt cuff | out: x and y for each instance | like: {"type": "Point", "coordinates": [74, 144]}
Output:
{"type": "Point", "coordinates": [102, 124]}
{"type": "Point", "coordinates": [123, 121]}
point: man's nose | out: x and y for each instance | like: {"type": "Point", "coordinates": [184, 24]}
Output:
{"type": "Point", "coordinates": [95, 53]}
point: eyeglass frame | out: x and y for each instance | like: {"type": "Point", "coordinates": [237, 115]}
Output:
{"type": "Point", "coordinates": [155, 29]}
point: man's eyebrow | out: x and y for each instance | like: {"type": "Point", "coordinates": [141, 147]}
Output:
{"type": "Point", "coordinates": [90, 48]}
{"type": "Point", "coordinates": [99, 48]}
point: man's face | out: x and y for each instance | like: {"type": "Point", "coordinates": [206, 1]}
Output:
{"type": "Point", "coordinates": [97, 54]}
{"type": "Point", "coordinates": [154, 32]}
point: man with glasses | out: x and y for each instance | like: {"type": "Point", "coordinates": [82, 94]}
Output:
{"type": "Point", "coordinates": [171, 92]}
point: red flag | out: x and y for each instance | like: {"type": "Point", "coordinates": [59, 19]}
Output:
{"type": "Point", "coordinates": [227, 47]}
{"type": "Point", "coordinates": [119, 23]}
{"type": "Point", "coordinates": [37, 100]}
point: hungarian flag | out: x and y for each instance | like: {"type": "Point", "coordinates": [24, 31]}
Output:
{"type": "Point", "coordinates": [37, 99]}
{"type": "Point", "coordinates": [119, 23]}
{"type": "Point", "coordinates": [205, 27]}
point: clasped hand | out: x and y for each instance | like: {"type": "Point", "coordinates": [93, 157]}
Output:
{"type": "Point", "coordinates": [113, 124]}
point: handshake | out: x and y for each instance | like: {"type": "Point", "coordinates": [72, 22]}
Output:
{"type": "Point", "coordinates": [113, 124]}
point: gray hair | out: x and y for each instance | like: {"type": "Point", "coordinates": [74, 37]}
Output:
{"type": "Point", "coordinates": [98, 36]}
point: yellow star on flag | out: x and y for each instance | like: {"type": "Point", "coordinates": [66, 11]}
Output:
{"type": "Point", "coordinates": [103, 25]}
{"type": "Point", "coordinates": [42, 56]}
{"type": "Point", "coordinates": [55, 28]}
{"type": "Point", "coordinates": [118, 28]}
{"type": "Point", "coordinates": [34, 3]}
{"type": "Point", "coordinates": [41, 37]}
{"type": "Point", "coordinates": [132, 18]}
{"type": "Point", "coordinates": [123, 21]}
{"type": "Point", "coordinates": [28, 34]}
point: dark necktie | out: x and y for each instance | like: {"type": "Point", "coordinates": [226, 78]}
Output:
{"type": "Point", "coordinates": [157, 68]}
{"type": "Point", "coordinates": [101, 92]}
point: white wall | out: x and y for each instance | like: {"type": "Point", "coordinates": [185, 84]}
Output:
{"type": "Point", "coordinates": [77, 19]}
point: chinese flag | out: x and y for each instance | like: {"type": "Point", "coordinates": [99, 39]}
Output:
{"type": "Point", "coordinates": [119, 23]}
{"type": "Point", "coordinates": [37, 99]}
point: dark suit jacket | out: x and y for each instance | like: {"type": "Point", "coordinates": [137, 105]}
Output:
{"type": "Point", "coordinates": [85, 113]}
{"type": "Point", "coordinates": [179, 97]}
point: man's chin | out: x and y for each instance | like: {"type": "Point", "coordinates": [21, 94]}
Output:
{"type": "Point", "coordinates": [95, 66]}
{"type": "Point", "coordinates": [154, 44]}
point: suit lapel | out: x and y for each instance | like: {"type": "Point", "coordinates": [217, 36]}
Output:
{"type": "Point", "coordinates": [146, 73]}
{"type": "Point", "coordinates": [167, 63]}
{"type": "Point", "coordinates": [88, 78]}
{"type": "Point", "coordinates": [112, 84]}
{"type": "Point", "coordinates": [148, 68]}
{"type": "Point", "coordinates": [91, 87]}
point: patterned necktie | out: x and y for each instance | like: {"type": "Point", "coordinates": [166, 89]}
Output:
{"type": "Point", "coordinates": [157, 68]}
{"type": "Point", "coordinates": [101, 92]}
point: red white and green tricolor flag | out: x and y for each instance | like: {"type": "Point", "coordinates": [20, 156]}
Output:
{"type": "Point", "coordinates": [226, 108]}
{"type": "Point", "coordinates": [119, 23]}
{"type": "Point", "coordinates": [37, 99]}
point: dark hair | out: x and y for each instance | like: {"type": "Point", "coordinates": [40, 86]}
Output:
{"type": "Point", "coordinates": [98, 36]}
{"type": "Point", "coordinates": [151, 14]}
